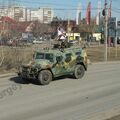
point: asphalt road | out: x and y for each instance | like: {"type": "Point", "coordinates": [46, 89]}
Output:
{"type": "Point", "coordinates": [95, 97]}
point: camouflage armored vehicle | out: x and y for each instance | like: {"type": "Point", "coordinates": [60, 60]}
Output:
{"type": "Point", "coordinates": [50, 63]}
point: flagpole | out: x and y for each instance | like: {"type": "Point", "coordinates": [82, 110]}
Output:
{"type": "Point", "coordinates": [109, 16]}
{"type": "Point", "coordinates": [116, 53]}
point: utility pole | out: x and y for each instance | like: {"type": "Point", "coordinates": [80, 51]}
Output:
{"type": "Point", "coordinates": [43, 15]}
{"type": "Point", "coordinates": [106, 32]}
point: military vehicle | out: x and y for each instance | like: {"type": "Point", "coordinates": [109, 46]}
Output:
{"type": "Point", "coordinates": [50, 63]}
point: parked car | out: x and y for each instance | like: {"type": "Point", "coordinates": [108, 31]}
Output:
{"type": "Point", "coordinates": [118, 40]}
{"type": "Point", "coordinates": [37, 41]}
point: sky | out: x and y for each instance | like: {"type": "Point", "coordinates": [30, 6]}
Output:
{"type": "Point", "coordinates": [67, 8]}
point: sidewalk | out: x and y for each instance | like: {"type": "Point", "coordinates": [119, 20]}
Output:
{"type": "Point", "coordinates": [114, 118]}
{"type": "Point", "coordinates": [7, 75]}
{"type": "Point", "coordinates": [107, 62]}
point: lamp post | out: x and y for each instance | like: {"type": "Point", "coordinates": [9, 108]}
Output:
{"type": "Point", "coordinates": [106, 32]}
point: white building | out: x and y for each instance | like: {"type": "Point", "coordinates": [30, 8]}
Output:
{"type": "Point", "coordinates": [47, 15]}
{"type": "Point", "coordinates": [15, 12]}
{"type": "Point", "coordinates": [44, 15]}
{"type": "Point", "coordinates": [19, 13]}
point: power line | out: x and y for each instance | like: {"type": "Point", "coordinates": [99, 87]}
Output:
{"type": "Point", "coordinates": [71, 7]}
{"type": "Point", "coordinates": [43, 3]}
{"type": "Point", "coordinates": [115, 11]}
{"type": "Point", "coordinates": [64, 8]}
{"type": "Point", "coordinates": [116, 8]}
{"type": "Point", "coordinates": [74, 9]}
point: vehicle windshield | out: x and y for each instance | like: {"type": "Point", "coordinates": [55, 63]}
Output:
{"type": "Point", "coordinates": [47, 56]}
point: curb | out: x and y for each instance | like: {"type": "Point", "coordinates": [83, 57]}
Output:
{"type": "Point", "coordinates": [106, 62]}
{"type": "Point", "coordinates": [103, 62]}
{"type": "Point", "coordinates": [7, 75]}
{"type": "Point", "coordinates": [89, 63]}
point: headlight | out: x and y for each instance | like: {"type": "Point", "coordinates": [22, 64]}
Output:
{"type": "Point", "coordinates": [35, 70]}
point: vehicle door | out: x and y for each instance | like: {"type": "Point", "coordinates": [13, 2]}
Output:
{"type": "Point", "coordinates": [69, 62]}
{"type": "Point", "coordinates": [58, 67]}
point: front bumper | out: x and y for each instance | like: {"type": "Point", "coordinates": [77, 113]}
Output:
{"type": "Point", "coordinates": [28, 73]}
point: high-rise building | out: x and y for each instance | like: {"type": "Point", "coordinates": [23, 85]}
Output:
{"type": "Point", "coordinates": [44, 15]}
{"type": "Point", "coordinates": [20, 13]}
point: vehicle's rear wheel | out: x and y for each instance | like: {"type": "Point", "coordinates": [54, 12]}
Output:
{"type": "Point", "coordinates": [79, 71]}
{"type": "Point", "coordinates": [44, 77]}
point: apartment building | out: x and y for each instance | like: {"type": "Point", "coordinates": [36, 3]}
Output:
{"type": "Point", "coordinates": [43, 15]}
{"type": "Point", "coordinates": [20, 13]}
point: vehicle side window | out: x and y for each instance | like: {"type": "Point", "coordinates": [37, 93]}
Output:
{"type": "Point", "coordinates": [78, 53]}
{"type": "Point", "coordinates": [49, 57]}
{"type": "Point", "coordinates": [59, 59]}
{"type": "Point", "coordinates": [68, 57]}
{"type": "Point", "coordinates": [39, 56]}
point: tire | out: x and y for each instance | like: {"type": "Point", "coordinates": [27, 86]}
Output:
{"type": "Point", "coordinates": [79, 71]}
{"type": "Point", "coordinates": [44, 77]}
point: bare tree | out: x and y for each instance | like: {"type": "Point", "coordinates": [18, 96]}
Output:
{"type": "Point", "coordinates": [41, 28]}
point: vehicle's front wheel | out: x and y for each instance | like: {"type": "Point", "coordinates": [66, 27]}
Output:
{"type": "Point", "coordinates": [79, 71]}
{"type": "Point", "coordinates": [44, 77]}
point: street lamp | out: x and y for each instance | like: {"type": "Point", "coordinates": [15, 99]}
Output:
{"type": "Point", "coordinates": [104, 13]}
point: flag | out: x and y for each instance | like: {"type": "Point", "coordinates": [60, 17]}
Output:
{"type": "Point", "coordinates": [98, 13]}
{"type": "Point", "coordinates": [61, 34]}
{"type": "Point", "coordinates": [98, 19]}
{"type": "Point", "coordinates": [88, 15]}
{"type": "Point", "coordinates": [109, 9]}
{"type": "Point", "coordinates": [78, 15]}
